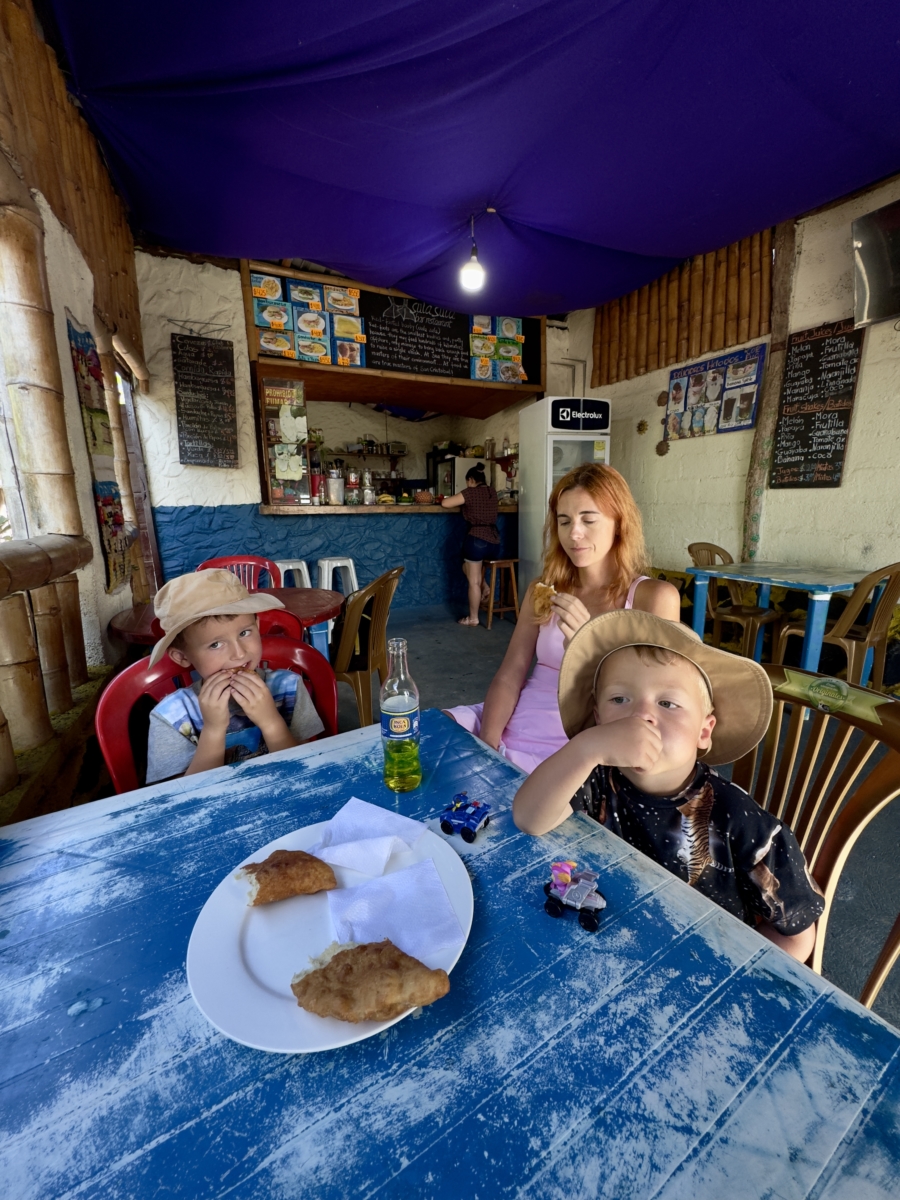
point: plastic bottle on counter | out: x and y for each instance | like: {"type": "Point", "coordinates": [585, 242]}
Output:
{"type": "Point", "coordinates": [400, 722]}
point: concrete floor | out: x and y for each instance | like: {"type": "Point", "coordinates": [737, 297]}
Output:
{"type": "Point", "coordinates": [454, 665]}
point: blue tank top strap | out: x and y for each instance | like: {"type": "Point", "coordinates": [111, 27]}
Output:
{"type": "Point", "coordinates": [629, 599]}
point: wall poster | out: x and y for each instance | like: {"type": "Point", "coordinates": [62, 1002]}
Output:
{"type": "Point", "coordinates": [717, 395]}
{"type": "Point", "coordinates": [95, 419]}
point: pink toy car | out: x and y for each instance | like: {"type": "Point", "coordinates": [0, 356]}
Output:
{"type": "Point", "coordinates": [571, 888]}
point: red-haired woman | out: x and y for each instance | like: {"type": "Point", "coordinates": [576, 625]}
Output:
{"type": "Point", "coordinates": [594, 557]}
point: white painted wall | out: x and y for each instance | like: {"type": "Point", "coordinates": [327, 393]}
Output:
{"type": "Point", "coordinates": [199, 294]}
{"type": "Point", "coordinates": [72, 287]}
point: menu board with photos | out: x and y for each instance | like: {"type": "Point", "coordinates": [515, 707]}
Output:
{"type": "Point", "coordinates": [205, 406]}
{"type": "Point", "coordinates": [343, 326]}
{"type": "Point", "coordinates": [717, 395]}
{"type": "Point", "coordinates": [820, 373]}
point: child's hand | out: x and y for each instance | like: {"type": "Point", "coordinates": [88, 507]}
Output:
{"type": "Point", "coordinates": [630, 743]}
{"type": "Point", "coordinates": [255, 699]}
{"type": "Point", "coordinates": [215, 692]}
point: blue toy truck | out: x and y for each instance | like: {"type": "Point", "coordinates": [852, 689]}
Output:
{"type": "Point", "coordinates": [465, 817]}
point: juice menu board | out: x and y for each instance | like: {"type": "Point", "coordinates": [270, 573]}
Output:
{"type": "Point", "coordinates": [286, 434]}
{"type": "Point", "coordinates": [820, 373]}
{"type": "Point", "coordinates": [205, 407]}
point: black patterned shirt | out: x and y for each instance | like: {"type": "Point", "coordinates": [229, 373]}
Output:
{"type": "Point", "coordinates": [480, 510]}
{"type": "Point", "coordinates": [715, 837]}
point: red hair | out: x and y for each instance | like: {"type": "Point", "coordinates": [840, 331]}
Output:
{"type": "Point", "coordinates": [613, 496]}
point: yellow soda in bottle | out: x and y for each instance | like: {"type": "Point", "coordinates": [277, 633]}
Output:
{"type": "Point", "coordinates": [400, 722]}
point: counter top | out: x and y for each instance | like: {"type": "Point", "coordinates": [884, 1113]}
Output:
{"type": "Point", "coordinates": [332, 510]}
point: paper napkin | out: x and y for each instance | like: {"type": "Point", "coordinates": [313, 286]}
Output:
{"type": "Point", "coordinates": [411, 907]}
{"type": "Point", "coordinates": [363, 837]}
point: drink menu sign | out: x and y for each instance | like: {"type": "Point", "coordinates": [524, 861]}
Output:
{"type": "Point", "coordinates": [820, 375]}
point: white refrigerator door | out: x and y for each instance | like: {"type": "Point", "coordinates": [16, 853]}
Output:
{"type": "Point", "coordinates": [568, 450]}
{"type": "Point", "coordinates": [461, 465]}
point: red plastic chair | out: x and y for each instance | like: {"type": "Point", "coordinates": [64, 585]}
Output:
{"type": "Point", "coordinates": [281, 622]}
{"type": "Point", "coordinates": [113, 720]}
{"type": "Point", "coordinates": [247, 568]}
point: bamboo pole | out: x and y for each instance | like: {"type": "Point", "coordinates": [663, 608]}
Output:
{"type": "Point", "coordinates": [731, 297]}
{"type": "Point", "coordinates": [767, 414]}
{"type": "Point", "coordinates": [743, 330]}
{"type": "Point", "coordinates": [643, 328]}
{"type": "Point", "coordinates": [684, 312]}
{"type": "Point", "coordinates": [663, 357]}
{"type": "Point", "coordinates": [755, 285]}
{"type": "Point", "coordinates": [674, 283]}
{"type": "Point", "coordinates": [73, 634]}
{"type": "Point", "coordinates": [709, 289]}
{"type": "Point", "coordinates": [114, 409]}
{"type": "Point", "coordinates": [765, 287]}
{"type": "Point", "coordinates": [21, 687]}
{"type": "Point", "coordinates": [48, 628]}
{"type": "Point", "coordinates": [9, 772]}
{"type": "Point", "coordinates": [623, 339]}
{"type": "Point", "coordinates": [696, 306]}
{"type": "Point", "coordinates": [31, 364]}
{"type": "Point", "coordinates": [604, 346]}
{"type": "Point", "coordinates": [718, 326]}
{"type": "Point", "coordinates": [631, 358]}
{"type": "Point", "coordinates": [615, 336]}
{"type": "Point", "coordinates": [653, 328]}
{"type": "Point", "coordinates": [596, 353]}
{"type": "Point", "coordinates": [33, 562]}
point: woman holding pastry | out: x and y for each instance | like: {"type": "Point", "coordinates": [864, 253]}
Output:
{"type": "Point", "coordinates": [594, 562]}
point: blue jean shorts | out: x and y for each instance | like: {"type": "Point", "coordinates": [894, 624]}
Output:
{"type": "Point", "coordinates": [476, 549]}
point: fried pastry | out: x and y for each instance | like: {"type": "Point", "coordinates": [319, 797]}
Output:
{"type": "Point", "coordinates": [286, 873]}
{"type": "Point", "coordinates": [542, 599]}
{"type": "Point", "coordinates": [372, 982]}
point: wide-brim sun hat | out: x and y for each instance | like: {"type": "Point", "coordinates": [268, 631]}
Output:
{"type": "Point", "coordinates": [740, 688]}
{"type": "Point", "coordinates": [211, 593]}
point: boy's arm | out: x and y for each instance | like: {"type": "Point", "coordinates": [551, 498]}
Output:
{"type": "Point", "coordinates": [544, 799]}
{"type": "Point", "coordinates": [254, 697]}
{"type": "Point", "coordinates": [798, 945]}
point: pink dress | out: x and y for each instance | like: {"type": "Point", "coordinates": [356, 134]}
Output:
{"type": "Point", "coordinates": [535, 730]}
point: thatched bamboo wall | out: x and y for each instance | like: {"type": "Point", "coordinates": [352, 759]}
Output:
{"type": "Point", "coordinates": [711, 301]}
{"type": "Point", "coordinates": [43, 131]}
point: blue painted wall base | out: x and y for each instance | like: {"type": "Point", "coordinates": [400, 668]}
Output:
{"type": "Point", "coordinates": [428, 545]}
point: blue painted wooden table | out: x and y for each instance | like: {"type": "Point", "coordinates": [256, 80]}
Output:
{"type": "Point", "coordinates": [673, 1054]}
{"type": "Point", "coordinates": [821, 582]}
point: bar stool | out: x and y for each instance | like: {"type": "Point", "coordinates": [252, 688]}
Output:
{"type": "Point", "coordinates": [296, 567]}
{"type": "Point", "coordinates": [507, 584]}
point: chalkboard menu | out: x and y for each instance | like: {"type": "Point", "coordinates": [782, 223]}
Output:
{"type": "Point", "coordinates": [408, 335]}
{"type": "Point", "coordinates": [820, 374]}
{"type": "Point", "coordinates": [204, 401]}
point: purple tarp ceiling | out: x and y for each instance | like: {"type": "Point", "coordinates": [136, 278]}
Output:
{"type": "Point", "coordinates": [613, 137]}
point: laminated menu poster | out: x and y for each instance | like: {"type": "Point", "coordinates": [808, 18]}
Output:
{"type": "Point", "coordinates": [717, 395]}
{"type": "Point", "coordinates": [820, 373]}
{"type": "Point", "coordinates": [95, 420]}
{"type": "Point", "coordinates": [205, 407]}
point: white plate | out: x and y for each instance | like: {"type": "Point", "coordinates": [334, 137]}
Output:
{"type": "Point", "coordinates": [311, 322]}
{"type": "Point", "coordinates": [241, 960]}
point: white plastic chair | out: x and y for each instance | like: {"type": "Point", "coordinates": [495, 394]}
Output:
{"type": "Point", "coordinates": [346, 569]}
{"type": "Point", "coordinates": [298, 569]}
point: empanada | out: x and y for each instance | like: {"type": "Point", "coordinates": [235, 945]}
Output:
{"type": "Point", "coordinates": [542, 599]}
{"type": "Point", "coordinates": [372, 982]}
{"type": "Point", "coordinates": [287, 873]}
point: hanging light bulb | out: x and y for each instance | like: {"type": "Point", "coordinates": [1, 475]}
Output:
{"type": "Point", "coordinates": [472, 274]}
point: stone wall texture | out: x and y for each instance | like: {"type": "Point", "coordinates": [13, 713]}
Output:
{"type": "Point", "coordinates": [428, 545]}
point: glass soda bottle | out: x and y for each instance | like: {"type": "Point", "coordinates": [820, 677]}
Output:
{"type": "Point", "coordinates": [400, 722]}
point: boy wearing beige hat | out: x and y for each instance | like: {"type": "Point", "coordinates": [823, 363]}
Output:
{"type": "Point", "coordinates": [649, 708]}
{"type": "Point", "coordinates": [234, 710]}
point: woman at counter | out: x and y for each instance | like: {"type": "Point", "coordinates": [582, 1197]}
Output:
{"type": "Point", "coordinates": [479, 507]}
{"type": "Point", "coordinates": [595, 560]}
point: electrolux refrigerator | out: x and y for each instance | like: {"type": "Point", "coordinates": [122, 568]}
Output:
{"type": "Point", "coordinates": [555, 435]}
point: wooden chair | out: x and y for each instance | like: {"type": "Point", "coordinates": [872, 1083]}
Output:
{"type": "Point", "coordinates": [508, 597]}
{"type": "Point", "coordinates": [359, 645]}
{"type": "Point", "coordinates": [247, 567]}
{"type": "Point", "coordinates": [124, 709]}
{"type": "Point", "coordinates": [748, 617]}
{"type": "Point", "coordinates": [854, 636]}
{"type": "Point", "coordinates": [829, 777]}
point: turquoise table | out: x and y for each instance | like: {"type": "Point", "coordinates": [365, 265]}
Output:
{"type": "Point", "coordinates": [674, 1053]}
{"type": "Point", "coordinates": [821, 582]}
